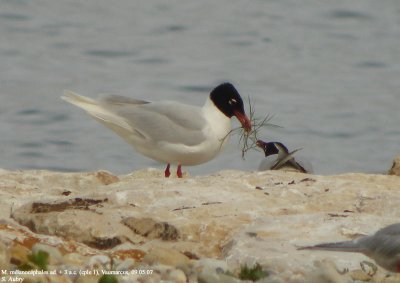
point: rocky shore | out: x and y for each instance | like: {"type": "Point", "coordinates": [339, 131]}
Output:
{"type": "Point", "coordinates": [141, 227]}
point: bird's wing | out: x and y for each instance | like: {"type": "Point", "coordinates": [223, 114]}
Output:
{"type": "Point", "coordinates": [280, 163]}
{"type": "Point", "coordinates": [304, 163]}
{"type": "Point", "coordinates": [115, 100]}
{"type": "Point", "coordinates": [153, 122]}
{"type": "Point", "coordinates": [346, 246]}
{"type": "Point", "coordinates": [393, 230]}
{"type": "Point", "coordinates": [384, 244]}
{"type": "Point", "coordinates": [164, 121]}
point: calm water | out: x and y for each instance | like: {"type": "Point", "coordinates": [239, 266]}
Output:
{"type": "Point", "coordinates": [329, 72]}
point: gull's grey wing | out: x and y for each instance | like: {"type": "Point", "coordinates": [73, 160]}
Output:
{"type": "Point", "coordinates": [115, 100]}
{"type": "Point", "coordinates": [384, 244]}
{"type": "Point", "coordinates": [304, 163]}
{"type": "Point", "coordinates": [385, 241]}
{"type": "Point", "coordinates": [287, 159]}
{"type": "Point", "coordinates": [345, 246]}
{"type": "Point", "coordinates": [164, 121]}
{"type": "Point", "coordinates": [393, 230]}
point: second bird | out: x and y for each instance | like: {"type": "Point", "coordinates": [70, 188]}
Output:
{"type": "Point", "coordinates": [383, 247]}
{"type": "Point", "coordinates": [284, 159]}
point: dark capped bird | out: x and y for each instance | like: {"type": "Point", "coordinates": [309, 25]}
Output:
{"type": "Point", "coordinates": [278, 157]}
{"type": "Point", "coordinates": [169, 131]}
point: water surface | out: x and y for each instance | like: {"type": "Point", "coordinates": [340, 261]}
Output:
{"type": "Point", "coordinates": [327, 70]}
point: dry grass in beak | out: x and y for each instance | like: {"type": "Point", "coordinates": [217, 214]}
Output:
{"type": "Point", "coordinates": [249, 139]}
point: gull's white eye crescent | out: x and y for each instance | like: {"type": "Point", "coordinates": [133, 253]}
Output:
{"type": "Point", "coordinates": [232, 101]}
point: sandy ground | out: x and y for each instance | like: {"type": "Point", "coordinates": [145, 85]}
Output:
{"type": "Point", "coordinates": [231, 216]}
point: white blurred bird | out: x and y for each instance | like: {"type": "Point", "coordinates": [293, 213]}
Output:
{"type": "Point", "coordinates": [284, 159]}
{"type": "Point", "coordinates": [383, 247]}
{"type": "Point", "coordinates": [169, 131]}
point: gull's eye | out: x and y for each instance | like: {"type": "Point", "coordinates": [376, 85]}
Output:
{"type": "Point", "coordinates": [232, 101]}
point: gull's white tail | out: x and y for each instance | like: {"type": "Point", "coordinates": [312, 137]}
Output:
{"type": "Point", "coordinates": [95, 109]}
{"type": "Point", "coordinates": [83, 102]}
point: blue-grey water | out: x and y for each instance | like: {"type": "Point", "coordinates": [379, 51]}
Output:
{"type": "Point", "coordinates": [329, 72]}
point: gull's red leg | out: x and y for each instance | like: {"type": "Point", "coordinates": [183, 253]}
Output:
{"type": "Point", "coordinates": [166, 172]}
{"type": "Point", "coordinates": [179, 171]}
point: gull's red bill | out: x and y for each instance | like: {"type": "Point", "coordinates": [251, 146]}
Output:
{"type": "Point", "coordinates": [244, 120]}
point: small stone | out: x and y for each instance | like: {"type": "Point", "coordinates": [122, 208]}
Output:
{"type": "Point", "coordinates": [359, 275]}
{"type": "Point", "coordinates": [100, 262]}
{"type": "Point", "coordinates": [152, 229]}
{"type": "Point", "coordinates": [165, 256]}
{"type": "Point", "coordinates": [19, 254]}
{"type": "Point", "coordinates": [106, 178]}
{"type": "Point", "coordinates": [395, 170]}
{"type": "Point", "coordinates": [134, 254]}
{"type": "Point", "coordinates": [103, 243]}
{"type": "Point", "coordinates": [191, 255]}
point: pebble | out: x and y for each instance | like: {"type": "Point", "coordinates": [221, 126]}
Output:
{"type": "Point", "coordinates": [19, 254]}
{"type": "Point", "coordinates": [359, 275]}
{"type": "Point", "coordinates": [106, 177]}
{"type": "Point", "coordinates": [100, 262]}
{"type": "Point", "coordinates": [165, 256]}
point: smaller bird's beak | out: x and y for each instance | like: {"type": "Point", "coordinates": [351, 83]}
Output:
{"type": "Point", "coordinates": [246, 124]}
{"type": "Point", "coordinates": [260, 143]}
